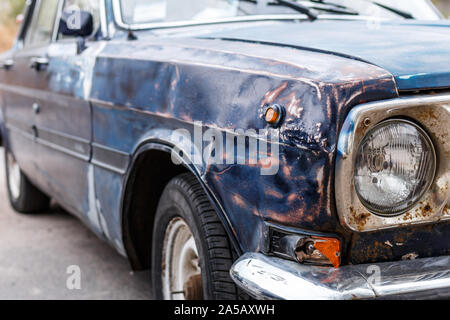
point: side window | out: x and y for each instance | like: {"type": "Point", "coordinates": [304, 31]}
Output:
{"type": "Point", "coordinates": [91, 6]}
{"type": "Point", "coordinates": [41, 28]}
{"type": "Point", "coordinates": [140, 11]}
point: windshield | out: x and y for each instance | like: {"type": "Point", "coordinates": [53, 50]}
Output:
{"type": "Point", "coordinates": [153, 11]}
{"type": "Point", "coordinates": [419, 9]}
{"type": "Point", "coordinates": [145, 11]}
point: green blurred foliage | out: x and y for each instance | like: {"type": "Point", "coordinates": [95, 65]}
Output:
{"type": "Point", "coordinates": [16, 7]}
{"type": "Point", "coordinates": [10, 9]}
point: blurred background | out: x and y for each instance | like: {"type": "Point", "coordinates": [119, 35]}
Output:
{"type": "Point", "coordinates": [10, 9]}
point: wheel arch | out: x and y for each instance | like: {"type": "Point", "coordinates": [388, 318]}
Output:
{"type": "Point", "coordinates": [145, 181]}
{"type": "Point", "coordinates": [4, 139]}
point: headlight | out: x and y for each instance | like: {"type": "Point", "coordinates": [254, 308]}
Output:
{"type": "Point", "coordinates": [395, 166]}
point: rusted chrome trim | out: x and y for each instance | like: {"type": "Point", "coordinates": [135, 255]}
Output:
{"type": "Point", "coordinates": [432, 113]}
{"type": "Point", "coordinates": [264, 277]}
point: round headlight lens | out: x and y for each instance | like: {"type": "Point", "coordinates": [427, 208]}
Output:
{"type": "Point", "coordinates": [395, 166]}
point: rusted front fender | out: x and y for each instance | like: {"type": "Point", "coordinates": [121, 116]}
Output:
{"type": "Point", "coordinates": [171, 85]}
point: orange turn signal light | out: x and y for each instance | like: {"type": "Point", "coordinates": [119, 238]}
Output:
{"type": "Point", "coordinates": [330, 248]}
{"type": "Point", "coordinates": [272, 115]}
{"type": "Point", "coordinates": [318, 250]}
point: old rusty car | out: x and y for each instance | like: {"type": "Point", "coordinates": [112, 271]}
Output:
{"type": "Point", "coordinates": [346, 193]}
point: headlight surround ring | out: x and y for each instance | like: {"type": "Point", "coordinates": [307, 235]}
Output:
{"type": "Point", "coordinates": [430, 112]}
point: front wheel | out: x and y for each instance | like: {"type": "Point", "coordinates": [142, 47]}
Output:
{"type": "Point", "coordinates": [192, 254]}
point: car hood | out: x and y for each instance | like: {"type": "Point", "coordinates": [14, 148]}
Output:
{"type": "Point", "coordinates": [416, 53]}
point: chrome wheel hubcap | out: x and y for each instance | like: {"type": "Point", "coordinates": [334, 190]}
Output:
{"type": "Point", "coordinates": [13, 177]}
{"type": "Point", "coordinates": [181, 272]}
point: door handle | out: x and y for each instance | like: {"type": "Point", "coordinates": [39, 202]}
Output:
{"type": "Point", "coordinates": [7, 64]}
{"type": "Point", "coordinates": [38, 63]}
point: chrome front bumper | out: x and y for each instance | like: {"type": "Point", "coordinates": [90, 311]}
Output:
{"type": "Point", "coordinates": [264, 277]}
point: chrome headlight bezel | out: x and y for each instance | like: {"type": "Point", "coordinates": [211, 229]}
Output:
{"type": "Point", "coordinates": [432, 114]}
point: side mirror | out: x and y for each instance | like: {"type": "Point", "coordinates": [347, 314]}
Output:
{"type": "Point", "coordinates": [76, 23]}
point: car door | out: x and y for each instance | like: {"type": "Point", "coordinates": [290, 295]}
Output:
{"type": "Point", "coordinates": [63, 121]}
{"type": "Point", "coordinates": [23, 88]}
{"type": "Point", "coordinates": [47, 104]}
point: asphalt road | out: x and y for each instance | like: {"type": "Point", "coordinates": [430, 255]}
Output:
{"type": "Point", "coordinates": [36, 252]}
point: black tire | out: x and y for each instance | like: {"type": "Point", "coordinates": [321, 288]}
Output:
{"type": "Point", "coordinates": [184, 198]}
{"type": "Point", "coordinates": [30, 199]}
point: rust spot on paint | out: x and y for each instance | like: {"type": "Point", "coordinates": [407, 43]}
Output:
{"type": "Point", "coordinates": [424, 211]}
{"type": "Point", "coordinates": [185, 117]}
{"type": "Point", "coordinates": [288, 170]}
{"type": "Point", "coordinates": [428, 114]}
{"type": "Point", "coordinates": [358, 219]}
{"type": "Point", "coordinates": [309, 218]}
{"type": "Point", "coordinates": [273, 193]}
{"type": "Point", "coordinates": [320, 180]}
{"type": "Point", "coordinates": [407, 216]}
{"type": "Point", "coordinates": [268, 162]}
{"type": "Point", "coordinates": [256, 213]}
{"type": "Point", "coordinates": [446, 209]}
{"type": "Point", "coordinates": [293, 105]}
{"type": "Point", "coordinates": [271, 96]}
{"type": "Point", "coordinates": [292, 198]}
{"type": "Point", "coordinates": [238, 200]}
